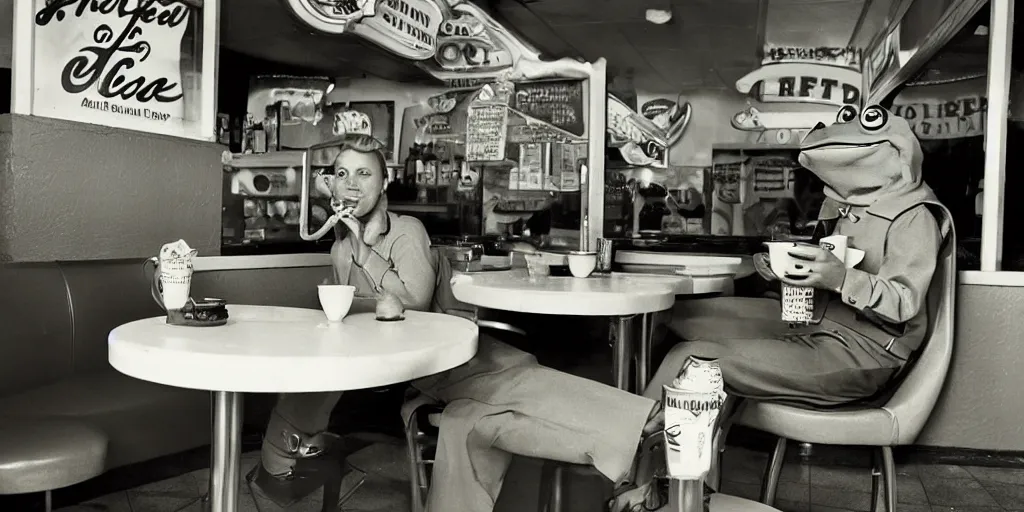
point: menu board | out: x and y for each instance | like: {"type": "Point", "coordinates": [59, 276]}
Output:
{"type": "Point", "coordinates": [773, 177]}
{"type": "Point", "coordinates": [559, 103]}
{"type": "Point", "coordinates": [486, 132]}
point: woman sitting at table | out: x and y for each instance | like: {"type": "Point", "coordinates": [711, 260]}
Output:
{"type": "Point", "coordinates": [495, 402]}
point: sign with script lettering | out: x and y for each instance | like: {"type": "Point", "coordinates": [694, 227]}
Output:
{"type": "Point", "coordinates": [944, 111]}
{"type": "Point", "coordinates": [798, 82]}
{"type": "Point", "coordinates": [116, 63]}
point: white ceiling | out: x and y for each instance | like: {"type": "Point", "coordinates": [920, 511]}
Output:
{"type": "Point", "coordinates": [708, 43]}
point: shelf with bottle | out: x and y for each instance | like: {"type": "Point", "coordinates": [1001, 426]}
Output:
{"type": "Point", "coordinates": [433, 174]}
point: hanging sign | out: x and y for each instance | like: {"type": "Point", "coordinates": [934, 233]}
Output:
{"type": "Point", "coordinates": [944, 111]}
{"type": "Point", "coordinates": [464, 44]}
{"type": "Point", "coordinates": [797, 82]}
{"type": "Point", "coordinates": [332, 16]}
{"type": "Point", "coordinates": [836, 56]}
{"type": "Point", "coordinates": [453, 40]}
{"type": "Point", "coordinates": [407, 28]}
{"type": "Point", "coordinates": [638, 139]}
{"type": "Point", "coordinates": [115, 63]}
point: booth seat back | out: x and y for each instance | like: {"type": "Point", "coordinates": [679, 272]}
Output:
{"type": "Point", "coordinates": [104, 295]}
{"type": "Point", "coordinates": [55, 317]}
{"type": "Point", "coordinates": [36, 330]}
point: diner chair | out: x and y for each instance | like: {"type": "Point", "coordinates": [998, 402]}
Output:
{"type": "Point", "coordinates": [896, 422]}
{"type": "Point", "coordinates": [41, 455]}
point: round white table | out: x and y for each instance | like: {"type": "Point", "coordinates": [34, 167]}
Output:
{"type": "Point", "coordinates": [620, 296]}
{"type": "Point", "coordinates": [266, 349]}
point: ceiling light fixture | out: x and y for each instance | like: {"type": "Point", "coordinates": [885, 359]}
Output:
{"type": "Point", "coordinates": [659, 16]}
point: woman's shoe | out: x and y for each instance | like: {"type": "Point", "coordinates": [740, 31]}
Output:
{"type": "Point", "coordinates": [314, 462]}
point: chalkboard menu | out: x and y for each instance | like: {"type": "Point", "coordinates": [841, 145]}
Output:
{"type": "Point", "coordinates": [559, 103]}
{"type": "Point", "coordinates": [486, 132]}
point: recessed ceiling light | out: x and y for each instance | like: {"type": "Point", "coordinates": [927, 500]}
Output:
{"type": "Point", "coordinates": [659, 16]}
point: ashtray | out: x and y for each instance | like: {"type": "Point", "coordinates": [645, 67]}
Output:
{"type": "Point", "coordinates": [205, 313]}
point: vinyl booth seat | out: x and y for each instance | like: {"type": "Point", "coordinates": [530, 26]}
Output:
{"type": "Point", "coordinates": [54, 325]}
{"type": "Point", "coordinates": [37, 456]}
{"type": "Point", "coordinates": [142, 420]}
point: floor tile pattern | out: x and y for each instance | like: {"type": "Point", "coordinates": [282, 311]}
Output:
{"type": "Point", "coordinates": [802, 488]}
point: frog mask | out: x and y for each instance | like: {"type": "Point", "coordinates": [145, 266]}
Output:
{"type": "Point", "coordinates": [864, 157]}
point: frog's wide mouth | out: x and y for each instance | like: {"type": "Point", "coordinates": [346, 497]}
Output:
{"type": "Point", "coordinates": [844, 145]}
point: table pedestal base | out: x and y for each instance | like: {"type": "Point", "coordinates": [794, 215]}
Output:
{"type": "Point", "coordinates": [226, 452]}
{"type": "Point", "coordinates": [688, 496]}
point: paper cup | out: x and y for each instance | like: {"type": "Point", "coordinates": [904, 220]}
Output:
{"type": "Point", "coordinates": [797, 303]}
{"type": "Point", "coordinates": [175, 290]}
{"type": "Point", "coordinates": [692, 406]}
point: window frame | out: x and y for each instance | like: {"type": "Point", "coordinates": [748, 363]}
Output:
{"type": "Point", "coordinates": [994, 196]}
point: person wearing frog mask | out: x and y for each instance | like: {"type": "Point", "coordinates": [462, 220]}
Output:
{"type": "Point", "coordinates": [496, 398]}
{"type": "Point", "coordinates": [870, 320]}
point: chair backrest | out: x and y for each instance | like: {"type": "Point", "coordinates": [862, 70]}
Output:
{"type": "Point", "coordinates": [444, 300]}
{"type": "Point", "coordinates": [913, 401]}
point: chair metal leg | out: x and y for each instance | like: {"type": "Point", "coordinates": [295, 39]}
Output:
{"type": "Point", "coordinates": [416, 482]}
{"type": "Point", "coordinates": [889, 478]}
{"type": "Point", "coordinates": [547, 475]}
{"type": "Point", "coordinates": [555, 504]}
{"type": "Point", "coordinates": [772, 472]}
{"type": "Point", "coordinates": [876, 479]}
{"type": "Point", "coordinates": [48, 497]}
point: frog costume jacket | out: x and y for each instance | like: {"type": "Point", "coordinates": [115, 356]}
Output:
{"type": "Point", "coordinates": [871, 165]}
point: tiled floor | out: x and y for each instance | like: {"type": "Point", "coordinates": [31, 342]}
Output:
{"type": "Point", "coordinates": [802, 488]}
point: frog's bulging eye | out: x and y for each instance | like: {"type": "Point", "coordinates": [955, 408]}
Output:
{"type": "Point", "coordinates": [874, 118]}
{"type": "Point", "coordinates": [846, 114]}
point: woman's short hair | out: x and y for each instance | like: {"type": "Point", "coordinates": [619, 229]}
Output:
{"type": "Point", "coordinates": [362, 144]}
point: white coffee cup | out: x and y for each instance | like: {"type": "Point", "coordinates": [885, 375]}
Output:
{"type": "Point", "coordinates": [582, 263]}
{"type": "Point", "coordinates": [782, 262]}
{"type": "Point", "coordinates": [336, 300]}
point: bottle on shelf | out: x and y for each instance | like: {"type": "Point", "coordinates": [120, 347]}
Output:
{"type": "Point", "coordinates": [409, 175]}
{"type": "Point", "coordinates": [429, 180]}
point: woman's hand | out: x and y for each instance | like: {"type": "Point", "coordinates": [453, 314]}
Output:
{"type": "Point", "coordinates": [360, 250]}
{"type": "Point", "coordinates": [817, 268]}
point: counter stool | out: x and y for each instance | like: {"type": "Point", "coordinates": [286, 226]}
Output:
{"type": "Point", "coordinates": [40, 455]}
